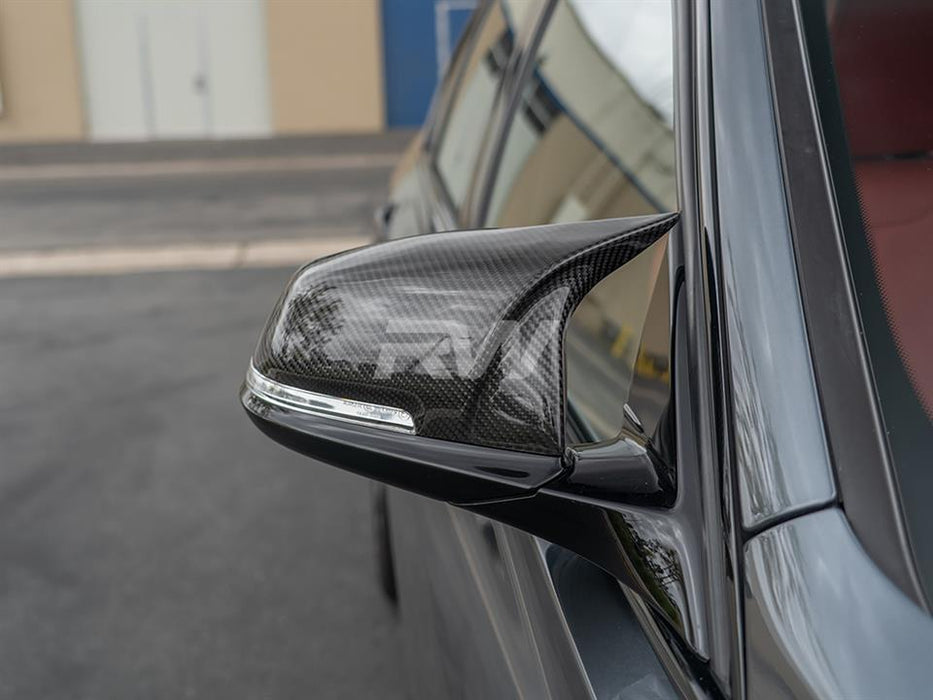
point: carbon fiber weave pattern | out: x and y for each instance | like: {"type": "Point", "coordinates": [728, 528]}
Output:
{"type": "Point", "coordinates": [463, 330]}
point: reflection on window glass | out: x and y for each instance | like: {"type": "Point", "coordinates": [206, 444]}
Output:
{"type": "Point", "coordinates": [593, 139]}
{"type": "Point", "coordinates": [472, 105]}
{"type": "Point", "coordinates": [593, 135]}
{"type": "Point", "coordinates": [870, 62]}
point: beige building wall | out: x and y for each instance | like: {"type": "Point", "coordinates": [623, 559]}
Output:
{"type": "Point", "coordinates": [39, 72]}
{"type": "Point", "coordinates": [325, 66]}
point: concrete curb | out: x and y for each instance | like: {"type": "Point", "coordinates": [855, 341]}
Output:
{"type": "Point", "coordinates": [390, 142]}
{"type": "Point", "coordinates": [89, 261]}
{"type": "Point", "coordinates": [172, 168]}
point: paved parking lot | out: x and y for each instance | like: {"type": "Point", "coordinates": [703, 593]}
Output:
{"type": "Point", "coordinates": [152, 543]}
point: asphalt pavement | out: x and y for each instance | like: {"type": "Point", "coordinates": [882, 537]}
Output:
{"type": "Point", "coordinates": [152, 543]}
{"type": "Point", "coordinates": [183, 192]}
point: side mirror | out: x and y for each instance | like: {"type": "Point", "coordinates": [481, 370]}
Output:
{"type": "Point", "coordinates": [435, 364]}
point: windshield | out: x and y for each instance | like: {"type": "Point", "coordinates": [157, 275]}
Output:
{"type": "Point", "coordinates": [871, 63]}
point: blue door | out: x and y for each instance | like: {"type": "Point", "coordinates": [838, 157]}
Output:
{"type": "Point", "coordinates": [418, 39]}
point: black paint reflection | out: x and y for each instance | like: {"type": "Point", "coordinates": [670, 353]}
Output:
{"type": "Point", "coordinates": [311, 319]}
{"type": "Point", "coordinates": [653, 554]}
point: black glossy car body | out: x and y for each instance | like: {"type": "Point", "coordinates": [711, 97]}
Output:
{"type": "Point", "coordinates": [777, 563]}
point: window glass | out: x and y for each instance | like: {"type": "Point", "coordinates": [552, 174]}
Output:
{"type": "Point", "coordinates": [470, 110]}
{"type": "Point", "coordinates": [870, 62]}
{"type": "Point", "coordinates": [593, 138]}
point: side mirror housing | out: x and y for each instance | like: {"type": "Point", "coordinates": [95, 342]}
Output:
{"type": "Point", "coordinates": [440, 355]}
{"type": "Point", "coordinates": [436, 364]}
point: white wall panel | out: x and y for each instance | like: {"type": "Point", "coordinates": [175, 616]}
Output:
{"type": "Point", "coordinates": [173, 69]}
{"type": "Point", "coordinates": [237, 66]}
{"type": "Point", "coordinates": [110, 46]}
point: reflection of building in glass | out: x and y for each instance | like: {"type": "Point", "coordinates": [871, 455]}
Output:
{"type": "Point", "coordinates": [585, 144]}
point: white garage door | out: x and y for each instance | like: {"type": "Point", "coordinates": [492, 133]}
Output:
{"type": "Point", "coordinates": [170, 69]}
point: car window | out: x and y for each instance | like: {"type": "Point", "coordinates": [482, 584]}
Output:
{"type": "Point", "coordinates": [877, 121]}
{"type": "Point", "coordinates": [472, 104]}
{"type": "Point", "coordinates": [593, 138]}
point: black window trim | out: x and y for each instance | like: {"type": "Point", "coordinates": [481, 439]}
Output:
{"type": "Point", "coordinates": [708, 409]}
